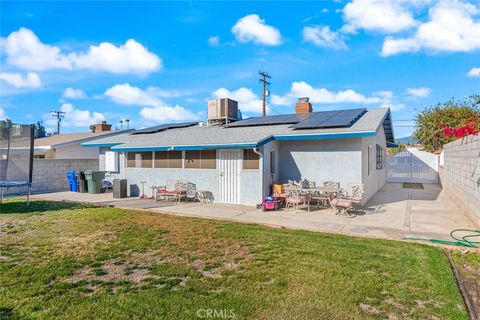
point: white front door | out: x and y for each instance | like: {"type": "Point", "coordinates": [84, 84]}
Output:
{"type": "Point", "coordinates": [229, 166]}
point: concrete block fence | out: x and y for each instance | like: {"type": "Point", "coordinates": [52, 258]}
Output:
{"type": "Point", "coordinates": [462, 174]}
{"type": "Point", "coordinates": [49, 175]}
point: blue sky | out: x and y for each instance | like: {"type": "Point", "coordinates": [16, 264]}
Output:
{"type": "Point", "coordinates": [154, 62]}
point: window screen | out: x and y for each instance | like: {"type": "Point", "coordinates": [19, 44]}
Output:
{"type": "Point", "coordinates": [208, 159]}
{"type": "Point", "coordinates": [168, 159]}
{"type": "Point", "coordinates": [146, 159]}
{"type": "Point", "coordinates": [204, 159]}
{"type": "Point", "coordinates": [192, 159]}
{"type": "Point", "coordinates": [251, 160]}
{"type": "Point", "coordinates": [139, 159]}
{"type": "Point", "coordinates": [130, 160]}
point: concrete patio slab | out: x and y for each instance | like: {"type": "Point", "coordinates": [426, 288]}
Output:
{"type": "Point", "coordinates": [393, 213]}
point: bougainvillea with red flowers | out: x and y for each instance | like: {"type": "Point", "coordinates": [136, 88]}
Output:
{"type": "Point", "coordinates": [472, 127]}
{"type": "Point", "coordinates": [446, 122]}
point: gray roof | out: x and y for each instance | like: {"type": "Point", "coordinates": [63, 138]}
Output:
{"type": "Point", "coordinates": [198, 137]}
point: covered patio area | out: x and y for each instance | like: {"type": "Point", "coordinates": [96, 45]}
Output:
{"type": "Point", "coordinates": [393, 213]}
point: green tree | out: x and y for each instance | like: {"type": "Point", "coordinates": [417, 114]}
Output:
{"type": "Point", "coordinates": [401, 147]}
{"type": "Point", "coordinates": [453, 113]}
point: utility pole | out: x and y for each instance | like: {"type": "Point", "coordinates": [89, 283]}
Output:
{"type": "Point", "coordinates": [265, 93]}
{"type": "Point", "coordinates": [59, 115]}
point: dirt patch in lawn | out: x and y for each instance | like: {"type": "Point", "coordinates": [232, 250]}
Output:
{"type": "Point", "coordinates": [117, 275]}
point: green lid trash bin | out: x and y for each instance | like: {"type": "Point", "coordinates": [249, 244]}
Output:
{"type": "Point", "coordinates": [94, 180]}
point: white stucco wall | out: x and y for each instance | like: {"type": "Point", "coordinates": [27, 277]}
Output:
{"type": "Point", "coordinates": [374, 182]}
{"type": "Point", "coordinates": [321, 160]}
{"type": "Point", "coordinates": [76, 151]}
{"type": "Point", "coordinates": [205, 179]}
{"type": "Point", "coordinates": [343, 160]}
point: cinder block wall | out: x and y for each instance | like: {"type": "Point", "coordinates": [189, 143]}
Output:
{"type": "Point", "coordinates": [50, 175]}
{"type": "Point", "coordinates": [462, 174]}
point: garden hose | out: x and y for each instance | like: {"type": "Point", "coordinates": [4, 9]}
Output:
{"type": "Point", "coordinates": [461, 241]}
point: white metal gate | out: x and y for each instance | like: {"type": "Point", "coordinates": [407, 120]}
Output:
{"type": "Point", "coordinates": [229, 166]}
{"type": "Point", "coordinates": [412, 166]}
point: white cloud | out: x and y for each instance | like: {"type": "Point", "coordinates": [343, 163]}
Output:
{"type": "Point", "coordinates": [324, 96]}
{"type": "Point", "coordinates": [127, 95]}
{"type": "Point", "coordinates": [74, 117]}
{"type": "Point", "coordinates": [253, 28]}
{"type": "Point", "coordinates": [474, 72]}
{"type": "Point", "coordinates": [380, 99]}
{"type": "Point", "coordinates": [451, 28]}
{"type": "Point", "coordinates": [377, 15]}
{"type": "Point", "coordinates": [248, 101]}
{"type": "Point", "coordinates": [25, 50]}
{"type": "Point", "coordinates": [214, 41]}
{"type": "Point", "coordinates": [72, 93]}
{"type": "Point", "coordinates": [393, 106]}
{"type": "Point", "coordinates": [154, 108]}
{"type": "Point", "coordinates": [31, 80]}
{"type": "Point", "coordinates": [323, 37]}
{"type": "Point", "coordinates": [132, 57]}
{"type": "Point", "coordinates": [416, 93]}
{"type": "Point", "coordinates": [167, 113]}
{"type": "Point", "coordinates": [3, 115]}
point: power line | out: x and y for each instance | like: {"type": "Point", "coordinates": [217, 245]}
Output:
{"type": "Point", "coordinates": [265, 85]}
{"type": "Point", "coordinates": [59, 115]}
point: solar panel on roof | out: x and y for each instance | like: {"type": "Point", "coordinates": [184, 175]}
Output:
{"type": "Point", "coordinates": [312, 120]}
{"type": "Point", "coordinates": [315, 120]}
{"type": "Point", "coordinates": [271, 120]}
{"type": "Point", "coordinates": [331, 119]}
{"type": "Point", "coordinates": [344, 118]}
{"type": "Point", "coordinates": [164, 127]}
{"type": "Point", "coordinates": [268, 120]}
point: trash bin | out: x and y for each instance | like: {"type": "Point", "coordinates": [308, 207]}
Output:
{"type": "Point", "coordinates": [82, 183]}
{"type": "Point", "coordinates": [119, 188]}
{"type": "Point", "coordinates": [94, 180]}
{"type": "Point", "coordinates": [72, 180]}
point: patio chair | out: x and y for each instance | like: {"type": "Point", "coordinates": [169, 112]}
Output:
{"type": "Point", "coordinates": [173, 189]}
{"type": "Point", "coordinates": [354, 193]}
{"type": "Point", "coordinates": [341, 206]}
{"type": "Point", "coordinates": [295, 198]}
{"type": "Point", "coordinates": [331, 184]}
{"type": "Point", "coordinates": [191, 193]}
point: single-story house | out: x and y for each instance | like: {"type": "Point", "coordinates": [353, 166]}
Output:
{"type": "Point", "coordinates": [238, 161]}
{"type": "Point", "coordinates": [68, 145]}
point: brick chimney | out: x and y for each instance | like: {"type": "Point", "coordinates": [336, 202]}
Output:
{"type": "Point", "coordinates": [100, 127]}
{"type": "Point", "coordinates": [303, 105]}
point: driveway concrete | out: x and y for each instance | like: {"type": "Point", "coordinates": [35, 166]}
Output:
{"type": "Point", "coordinates": [393, 213]}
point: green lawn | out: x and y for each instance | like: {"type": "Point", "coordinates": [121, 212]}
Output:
{"type": "Point", "coordinates": [67, 261]}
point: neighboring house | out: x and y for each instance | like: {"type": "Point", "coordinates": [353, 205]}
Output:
{"type": "Point", "coordinates": [68, 145]}
{"type": "Point", "coordinates": [239, 161]}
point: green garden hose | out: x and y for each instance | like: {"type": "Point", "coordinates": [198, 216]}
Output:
{"type": "Point", "coordinates": [461, 241]}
